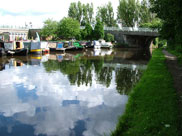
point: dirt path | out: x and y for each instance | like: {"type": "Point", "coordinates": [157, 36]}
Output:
{"type": "Point", "coordinates": [176, 72]}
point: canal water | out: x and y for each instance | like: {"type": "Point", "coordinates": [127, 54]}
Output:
{"type": "Point", "coordinates": [72, 94]}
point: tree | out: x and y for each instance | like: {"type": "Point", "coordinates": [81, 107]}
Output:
{"type": "Point", "coordinates": [87, 14]}
{"type": "Point", "coordinates": [72, 11]}
{"type": "Point", "coordinates": [99, 30]}
{"type": "Point", "coordinates": [170, 12]}
{"type": "Point", "coordinates": [83, 13]}
{"type": "Point", "coordinates": [154, 24]}
{"type": "Point", "coordinates": [68, 28]}
{"type": "Point", "coordinates": [49, 29]}
{"type": "Point", "coordinates": [109, 37]}
{"type": "Point", "coordinates": [128, 12]}
{"type": "Point", "coordinates": [106, 15]}
{"type": "Point", "coordinates": [145, 14]}
{"type": "Point", "coordinates": [90, 10]}
{"type": "Point", "coordinates": [89, 32]}
{"type": "Point", "coordinates": [75, 11]}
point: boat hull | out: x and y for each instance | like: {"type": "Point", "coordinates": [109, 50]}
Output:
{"type": "Point", "coordinates": [2, 52]}
{"type": "Point", "coordinates": [36, 51]}
{"type": "Point", "coordinates": [17, 52]}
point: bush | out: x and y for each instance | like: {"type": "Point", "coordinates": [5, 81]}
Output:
{"type": "Point", "coordinates": [109, 37]}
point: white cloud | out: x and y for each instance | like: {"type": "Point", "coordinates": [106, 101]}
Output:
{"type": "Point", "coordinates": [27, 11]}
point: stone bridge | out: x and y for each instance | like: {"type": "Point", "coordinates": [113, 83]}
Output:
{"type": "Point", "coordinates": [133, 37]}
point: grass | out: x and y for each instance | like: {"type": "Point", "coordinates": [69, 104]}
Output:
{"type": "Point", "coordinates": [152, 105]}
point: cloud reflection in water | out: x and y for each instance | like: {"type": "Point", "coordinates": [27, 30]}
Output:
{"type": "Point", "coordinates": [51, 106]}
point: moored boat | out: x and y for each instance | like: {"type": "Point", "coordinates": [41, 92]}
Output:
{"type": "Point", "coordinates": [44, 47]}
{"type": "Point", "coordinates": [60, 47]}
{"type": "Point", "coordinates": [97, 45]}
{"type": "Point", "coordinates": [89, 44]}
{"type": "Point", "coordinates": [78, 45]}
{"type": "Point", "coordinates": [105, 44]}
{"type": "Point", "coordinates": [35, 48]}
{"type": "Point", "coordinates": [15, 48]}
{"type": "Point", "coordinates": [2, 50]}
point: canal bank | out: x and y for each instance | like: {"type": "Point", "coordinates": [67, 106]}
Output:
{"type": "Point", "coordinates": [152, 106]}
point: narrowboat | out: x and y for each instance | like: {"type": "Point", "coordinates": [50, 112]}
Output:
{"type": "Point", "coordinates": [63, 46]}
{"type": "Point", "coordinates": [69, 45]}
{"type": "Point", "coordinates": [60, 47]}
{"type": "Point", "coordinates": [77, 45]}
{"type": "Point", "coordinates": [35, 47]}
{"type": "Point", "coordinates": [44, 47]}
{"type": "Point", "coordinates": [90, 44]}
{"type": "Point", "coordinates": [15, 48]}
{"type": "Point", "coordinates": [2, 50]}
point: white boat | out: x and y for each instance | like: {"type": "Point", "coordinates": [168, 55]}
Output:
{"type": "Point", "coordinates": [44, 46]}
{"type": "Point", "coordinates": [97, 45]}
{"type": "Point", "coordinates": [105, 44]}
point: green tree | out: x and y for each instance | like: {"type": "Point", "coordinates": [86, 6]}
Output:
{"type": "Point", "coordinates": [106, 15]}
{"type": "Point", "coordinates": [99, 30]}
{"type": "Point", "coordinates": [90, 10]}
{"type": "Point", "coordinates": [87, 33]}
{"type": "Point", "coordinates": [68, 28]}
{"type": "Point", "coordinates": [72, 11]}
{"type": "Point", "coordinates": [128, 12]}
{"type": "Point", "coordinates": [49, 29]}
{"type": "Point", "coordinates": [145, 14]}
{"type": "Point", "coordinates": [154, 24]}
{"type": "Point", "coordinates": [109, 37]}
{"type": "Point", "coordinates": [81, 12]}
{"type": "Point", "coordinates": [170, 12]}
{"type": "Point", "coordinates": [75, 11]}
{"type": "Point", "coordinates": [85, 15]}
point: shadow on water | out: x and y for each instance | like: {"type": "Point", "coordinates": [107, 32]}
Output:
{"type": "Point", "coordinates": [69, 94]}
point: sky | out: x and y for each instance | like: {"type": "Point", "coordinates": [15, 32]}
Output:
{"type": "Point", "coordinates": [21, 12]}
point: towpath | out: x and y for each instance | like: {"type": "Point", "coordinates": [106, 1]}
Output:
{"type": "Point", "coordinates": [176, 72]}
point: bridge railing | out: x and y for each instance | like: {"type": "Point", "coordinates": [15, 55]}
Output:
{"type": "Point", "coordinates": [129, 29]}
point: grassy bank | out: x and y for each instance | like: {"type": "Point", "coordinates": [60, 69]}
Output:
{"type": "Point", "coordinates": [152, 108]}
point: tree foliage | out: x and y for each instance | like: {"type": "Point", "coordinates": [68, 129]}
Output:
{"type": "Point", "coordinates": [99, 30]}
{"type": "Point", "coordinates": [87, 14]}
{"type": "Point", "coordinates": [170, 12]}
{"type": "Point", "coordinates": [106, 15]}
{"type": "Point", "coordinates": [68, 28]}
{"type": "Point", "coordinates": [133, 12]}
{"type": "Point", "coordinates": [109, 37]}
{"type": "Point", "coordinates": [75, 11]}
{"type": "Point", "coordinates": [83, 13]}
{"type": "Point", "coordinates": [145, 14]}
{"type": "Point", "coordinates": [128, 12]}
{"type": "Point", "coordinates": [154, 24]}
{"type": "Point", "coordinates": [49, 29]}
{"type": "Point", "coordinates": [87, 33]}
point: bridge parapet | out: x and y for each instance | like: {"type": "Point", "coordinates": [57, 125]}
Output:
{"type": "Point", "coordinates": [130, 29]}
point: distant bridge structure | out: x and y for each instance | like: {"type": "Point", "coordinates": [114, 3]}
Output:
{"type": "Point", "coordinates": [133, 37]}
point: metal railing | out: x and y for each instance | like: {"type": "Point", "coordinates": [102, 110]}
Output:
{"type": "Point", "coordinates": [131, 29]}
{"type": "Point", "coordinates": [17, 27]}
